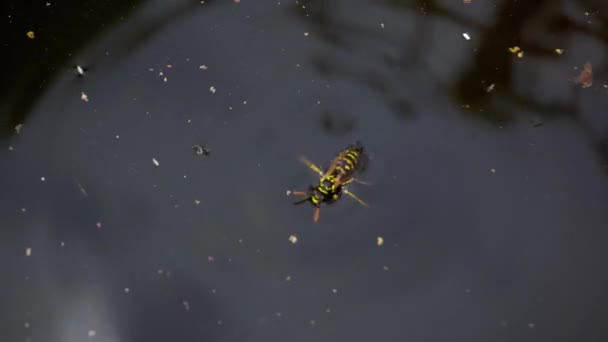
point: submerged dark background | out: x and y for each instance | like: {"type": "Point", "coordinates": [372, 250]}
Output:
{"type": "Point", "coordinates": [492, 205]}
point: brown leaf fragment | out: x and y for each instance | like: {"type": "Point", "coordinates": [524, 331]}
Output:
{"type": "Point", "coordinates": [585, 78]}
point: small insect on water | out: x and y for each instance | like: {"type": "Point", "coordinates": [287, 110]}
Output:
{"type": "Point", "coordinates": [201, 149]}
{"type": "Point", "coordinates": [333, 181]}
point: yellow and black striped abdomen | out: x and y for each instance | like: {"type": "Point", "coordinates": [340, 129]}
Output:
{"type": "Point", "coordinates": [346, 164]}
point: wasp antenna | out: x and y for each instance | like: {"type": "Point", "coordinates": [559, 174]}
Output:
{"type": "Point", "coordinates": [317, 212]}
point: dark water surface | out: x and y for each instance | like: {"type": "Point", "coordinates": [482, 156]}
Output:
{"type": "Point", "coordinates": [489, 171]}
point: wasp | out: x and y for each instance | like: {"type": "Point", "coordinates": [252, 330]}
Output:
{"type": "Point", "coordinates": [333, 181]}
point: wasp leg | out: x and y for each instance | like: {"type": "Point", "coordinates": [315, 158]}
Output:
{"type": "Point", "coordinates": [312, 166]}
{"type": "Point", "coordinates": [298, 193]}
{"type": "Point", "coordinates": [355, 197]}
{"type": "Point", "coordinates": [361, 182]}
{"type": "Point", "coordinates": [317, 212]}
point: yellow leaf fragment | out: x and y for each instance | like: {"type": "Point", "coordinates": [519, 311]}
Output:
{"type": "Point", "coordinates": [30, 34]}
{"type": "Point", "coordinates": [514, 49]}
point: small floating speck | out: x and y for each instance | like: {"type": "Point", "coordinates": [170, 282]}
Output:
{"type": "Point", "coordinates": [79, 70]}
{"type": "Point", "coordinates": [288, 192]}
{"type": "Point", "coordinates": [382, 25]}
{"type": "Point", "coordinates": [334, 291]}
{"type": "Point", "coordinates": [84, 97]}
{"type": "Point", "coordinates": [490, 88]}
{"type": "Point", "coordinates": [98, 224]}
{"type": "Point", "coordinates": [306, 34]}
{"type": "Point", "coordinates": [31, 34]}
{"type": "Point", "coordinates": [379, 240]}
{"type": "Point", "coordinates": [28, 251]}
{"type": "Point", "coordinates": [293, 239]}
{"type": "Point", "coordinates": [466, 36]}
{"type": "Point", "coordinates": [92, 333]}
{"type": "Point", "coordinates": [155, 162]}
{"type": "Point", "coordinates": [201, 149]}
{"type": "Point", "coordinates": [212, 89]}
{"type": "Point", "coordinates": [559, 51]}
{"type": "Point", "coordinates": [203, 67]}
{"type": "Point", "coordinates": [18, 128]}
{"type": "Point", "coordinates": [42, 179]}
{"type": "Point", "coordinates": [493, 170]}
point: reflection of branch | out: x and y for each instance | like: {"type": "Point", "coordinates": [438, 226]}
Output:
{"type": "Point", "coordinates": [491, 60]}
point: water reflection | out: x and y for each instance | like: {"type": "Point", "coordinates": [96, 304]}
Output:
{"type": "Point", "coordinates": [55, 52]}
{"type": "Point", "coordinates": [492, 85]}
{"type": "Point", "coordinates": [485, 188]}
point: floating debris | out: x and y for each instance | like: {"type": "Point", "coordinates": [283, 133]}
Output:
{"type": "Point", "coordinates": [559, 51]}
{"type": "Point", "coordinates": [18, 128]}
{"type": "Point", "coordinates": [30, 34]}
{"type": "Point", "coordinates": [81, 188]}
{"type": "Point", "coordinates": [381, 25]}
{"type": "Point", "coordinates": [201, 149]}
{"type": "Point", "coordinates": [493, 170]}
{"type": "Point", "coordinates": [490, 88]}
{"type": "Point", "coordinates": [98, 224]}
{"type": "Point", "coordinates": [155, 162]}
{"type": "Point", "coordinates": [92, 333]}
{"type": "Point", "coordinates": [288, 192]}
{"type": "Point", "coordinates": [517, 50]}
{"type": "Point", "coordinates": [335, 291]}
{"type": "Point", "coordinates": [379, 241]}
{"type": "Point", "coordinates": [293, 239]}
{"type": "Point", "coordinates": [203, 67]}
{"type": "Point", "coordinates": [212, 89]}
{"type": "Point", "coordinates": [305, 34]}
{"type": "Point", "coordinates": [186, 305]}
{"type": "Point", "coordinates": [80, 70]}
{"type": "Point", "coordinates": [466, 36]}
{"type": "Point", "coordinates": [84, 97]}
{"type": "Point", "coordinates": [585, 78]}
{"type": "Point", "coordinates": [28, 251]}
